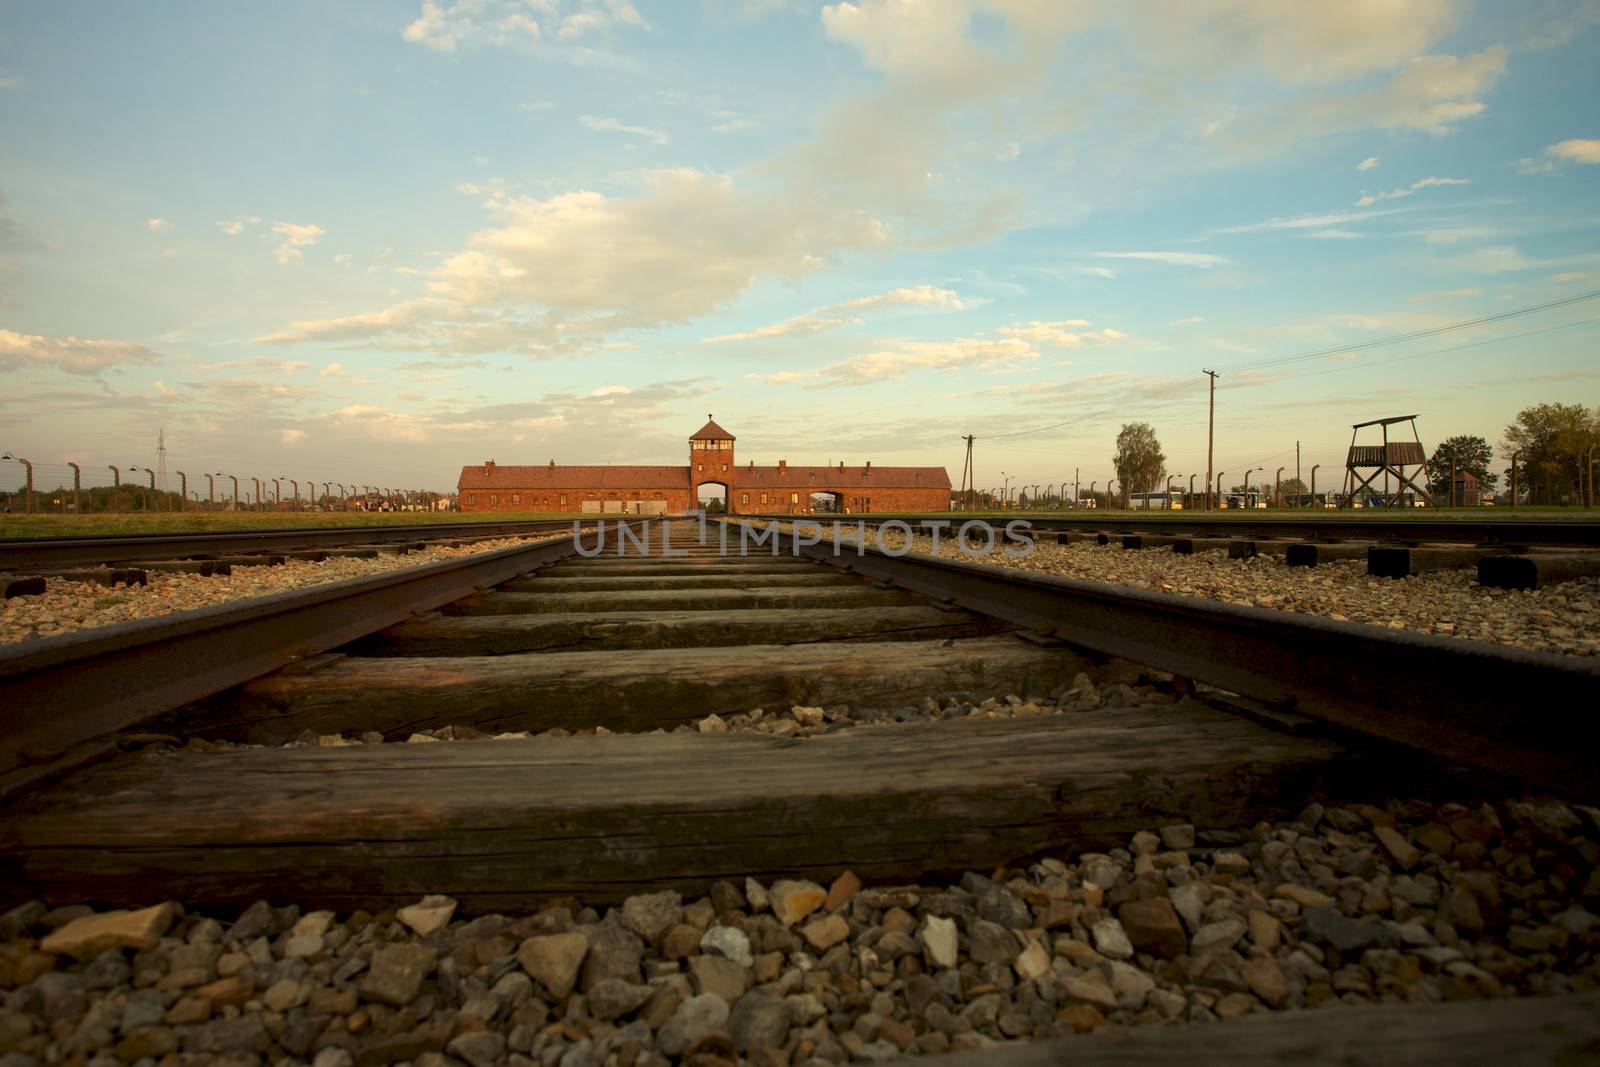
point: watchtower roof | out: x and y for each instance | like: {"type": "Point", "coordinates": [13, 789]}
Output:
{"type": "Point", "coordinates": [711, 432]}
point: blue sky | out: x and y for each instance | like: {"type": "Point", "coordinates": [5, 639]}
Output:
{"type": "Point", "coordinates": [373, 241]}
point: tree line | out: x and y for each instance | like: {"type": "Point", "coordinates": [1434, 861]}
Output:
{"type": "Point", "coordinates": [1550, 447]}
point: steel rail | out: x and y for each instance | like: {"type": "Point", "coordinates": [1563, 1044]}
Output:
{"type": "Point", "coordinates": [1515, 712]}
{"type": "Point", "coordinates": [18, 553]}
{"type": "Point", "coordinates": [1405, 530]}
{"type": "Point", "coordinates": [64, 698]}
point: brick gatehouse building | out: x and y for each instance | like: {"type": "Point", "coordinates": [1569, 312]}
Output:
{"type": "Point", "coordinates": [665, 490]}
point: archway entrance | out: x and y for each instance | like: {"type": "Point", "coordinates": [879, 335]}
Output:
{"type": "Point", "coordinates": [712, 497]}
{"type": "Point", "coordinates": [825, 502]}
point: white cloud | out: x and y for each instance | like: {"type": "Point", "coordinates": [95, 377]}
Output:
{"type": "Point", "coordinates": [291, 436]}
{"type": "Point", "coordinates": [1063, 333]}
{"type": "Point", "coordinates": [1202, 260]}
{"type": "Point", "coordinates": [1573, 276]}
{"type": "Point", "coordinates": [20, 351]}
{"type": "Point", "coordinates": [535, 105]}
{"type": "Point", "coordinates": [447, 25]}
{"type": "Point", "coordinates": [1192, 320]}
{"type": "Point", "coordinates": [295, 237]}
{"type": "Point", "coordinates": [1396, 194]}
{"type": "Point", "coordinates": [613, 125]}
{"type": "Point", "coordinates": [1578, 151]}
{"type": "Point", "coordinates": [333, 370]}
{"type": "Point", "coordinates": [1368, 163]}
{"type": "Point", "coordinates": [343, 259]}
{"type": "Point", "coordinates": [234, 227]}
{"type": "Point", "coordinates": [848, 313]}
{"type": "Point", "coordinates": [1573, 151]}
{"type": "Point", "coordinates": [158, 224]}
{"type": "Point", "coordinates": [1334, 234]}
{"type": "Point", "coordinates": [9, 82]}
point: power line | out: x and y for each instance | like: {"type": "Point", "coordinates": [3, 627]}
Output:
{"type": "Point", "coordinates": [1415, 334]}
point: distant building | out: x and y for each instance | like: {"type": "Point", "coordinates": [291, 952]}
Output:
{"type": "Point", "coordinates": [650, 490]}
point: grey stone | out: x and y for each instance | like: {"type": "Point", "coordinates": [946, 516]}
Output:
{"type": "Point", "coordinates": [989, 942]}
{"type": "Point", "coordinates": [480, 1048]}
{"type": "Point", "coordinates": [612, 998]}
{"type": "Point", "coordinates": [1111, 940]}
{"type": "Point", "coordinates": [650, 914]}
{"type": "Point", "coordinates": [695, 1018]}
{"type": "Point", "coordinates": [614, 952]}
{"type": "Point", "coordinates": [397, 973]}
{"type": "Point", "coordinates": [554, 960]}
{"type": "Point", "coordinates": [759, 1021]}
{"type": "Point", "coordinates": [1326, 925]}
{"type": "Point", "coordinates": [729, 942]}
{"type": "Point", "coordinates": [940, 942]}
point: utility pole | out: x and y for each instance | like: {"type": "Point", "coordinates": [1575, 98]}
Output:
{"type": "Point", "coordinates": [161, 459]}
{"type": "Point", "coordinates": [969, 477]}
{"type": "Point", "coordinates": [1211, 428]}
{"type": "Point", "coordinates": [1296, 464]}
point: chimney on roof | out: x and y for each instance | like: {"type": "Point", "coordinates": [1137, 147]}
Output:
{"type": "Point", "coordinates": [783, 464]}
{"type": "Point", "coordinates": [869, 466]}
{"type": "Point", "coordinates": [488, 466]}
{"type": "Point", "coordinates": [552, 464]}
{"type": "Point", "coordinates": [841, 466]}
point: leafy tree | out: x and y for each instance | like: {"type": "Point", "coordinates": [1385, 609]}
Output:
{"type": "Point", "coordinates": [1292, 487]}
{"type": "Point", "coordinates": [1139, 461]}
{"type": "Point", "coordinates": [1552, 440]}
{"type": "Point", "coordinates": [1470, 455]}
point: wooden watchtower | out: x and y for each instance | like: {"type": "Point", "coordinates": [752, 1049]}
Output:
{"type": "Point", "coordinates": [1366, 462]}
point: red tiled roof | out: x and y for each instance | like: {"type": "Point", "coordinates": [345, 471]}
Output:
{"type": "Point", "coordinates": [711, 432]}
{"type": "Point", "coordinates": [562, 476]}
{"type": "Point", "coordinates": [842, 479]}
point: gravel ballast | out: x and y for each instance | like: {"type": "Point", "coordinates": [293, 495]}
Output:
{"type": "Point", "coordinates": [1414, 902]}
{"type": "Point", "coordinates": [1562, 618]}
{"type": "Point", "coordinates": [68, 606]}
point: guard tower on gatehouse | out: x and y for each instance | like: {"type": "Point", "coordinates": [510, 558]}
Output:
{"type": "Point", "coordinates": [1400, 463]}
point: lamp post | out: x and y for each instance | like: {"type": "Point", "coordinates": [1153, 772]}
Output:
{"type": "Point", "coordinates": [1169, 490]}
{"type": "Point", "coordinates": [257, 483]}
{"type": "Point", "coordinates": [1109, 491]}
{"type": "Point", "coordinates": [1222, 501]}
{"type": "Point", "coordinates": [1188, 502]}
{"type": "Point", "coordinates": [277, 493]}
{"type": "Point", "coordinates": [1277, 489]}
{"type": "Point", "coordinates": [1514, 456]}
{"type": "Point", "coordinates": [27, 495]}
{"type": "Point", "coordinates": [235, 489]}
{"type": "Point", "coordinates": [152, 475]}
{"type": "Point", "coordinates": [1005, 489]}
{"type": "Point", "coordinates": [341, 494]}
{"type": "Point", "coordinates": [183, 491]}
{"type": "Point", "coordinates": [116, 489]}
{"type": "Point", "coordinates": [1049, 491]}
{"type": "Point", "coordinates": [1314, 467]}
{"type": "Point", "coordinates": [1091, 490]}
{"type": "Point", "coordinates": [1247, 475]}
{"type": "Point", "coordinates": [77, 482]}
{"type": "Point", "coordinates": [211, 492]}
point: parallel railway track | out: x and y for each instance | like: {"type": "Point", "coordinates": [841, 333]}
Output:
{"type": "Point", "coordinates": [542, 637]}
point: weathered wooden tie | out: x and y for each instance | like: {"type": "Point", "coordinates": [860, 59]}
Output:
{"type": "Point", "coordinates": [546, 582]}
{"type": "Point", "coordinates": [499, 825]}
{"type": "Point", "coordinates": [1390, 561]}
{"type": "Point", "coordinates": [494, 635]}
{"type": "Point", "coordinates": [631, 690]}
{"type": "Point", "coordinates": [678, 600]}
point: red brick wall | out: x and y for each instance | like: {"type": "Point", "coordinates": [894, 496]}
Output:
{"type": "Point", "coordinates": [510, 498]}
{"type": "Point", "coordinates": [854, 500]}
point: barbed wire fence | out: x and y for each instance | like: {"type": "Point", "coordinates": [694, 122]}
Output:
{"type": "Point", "coordinates": [30, 487]}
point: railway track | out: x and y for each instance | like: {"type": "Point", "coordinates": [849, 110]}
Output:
{"type": "Point", "coordinates": [31, 555]}
{"type": "Point", "coordinates": [1223, 716]}
{"type": "Point", "coordinates": [1406, 529]}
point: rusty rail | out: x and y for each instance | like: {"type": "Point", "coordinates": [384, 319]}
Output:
{"type": "Point", "coordinates": [65, 698]}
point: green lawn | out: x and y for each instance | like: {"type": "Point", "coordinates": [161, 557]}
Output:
{"type": "Point", "coordinates": [23, 526]}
